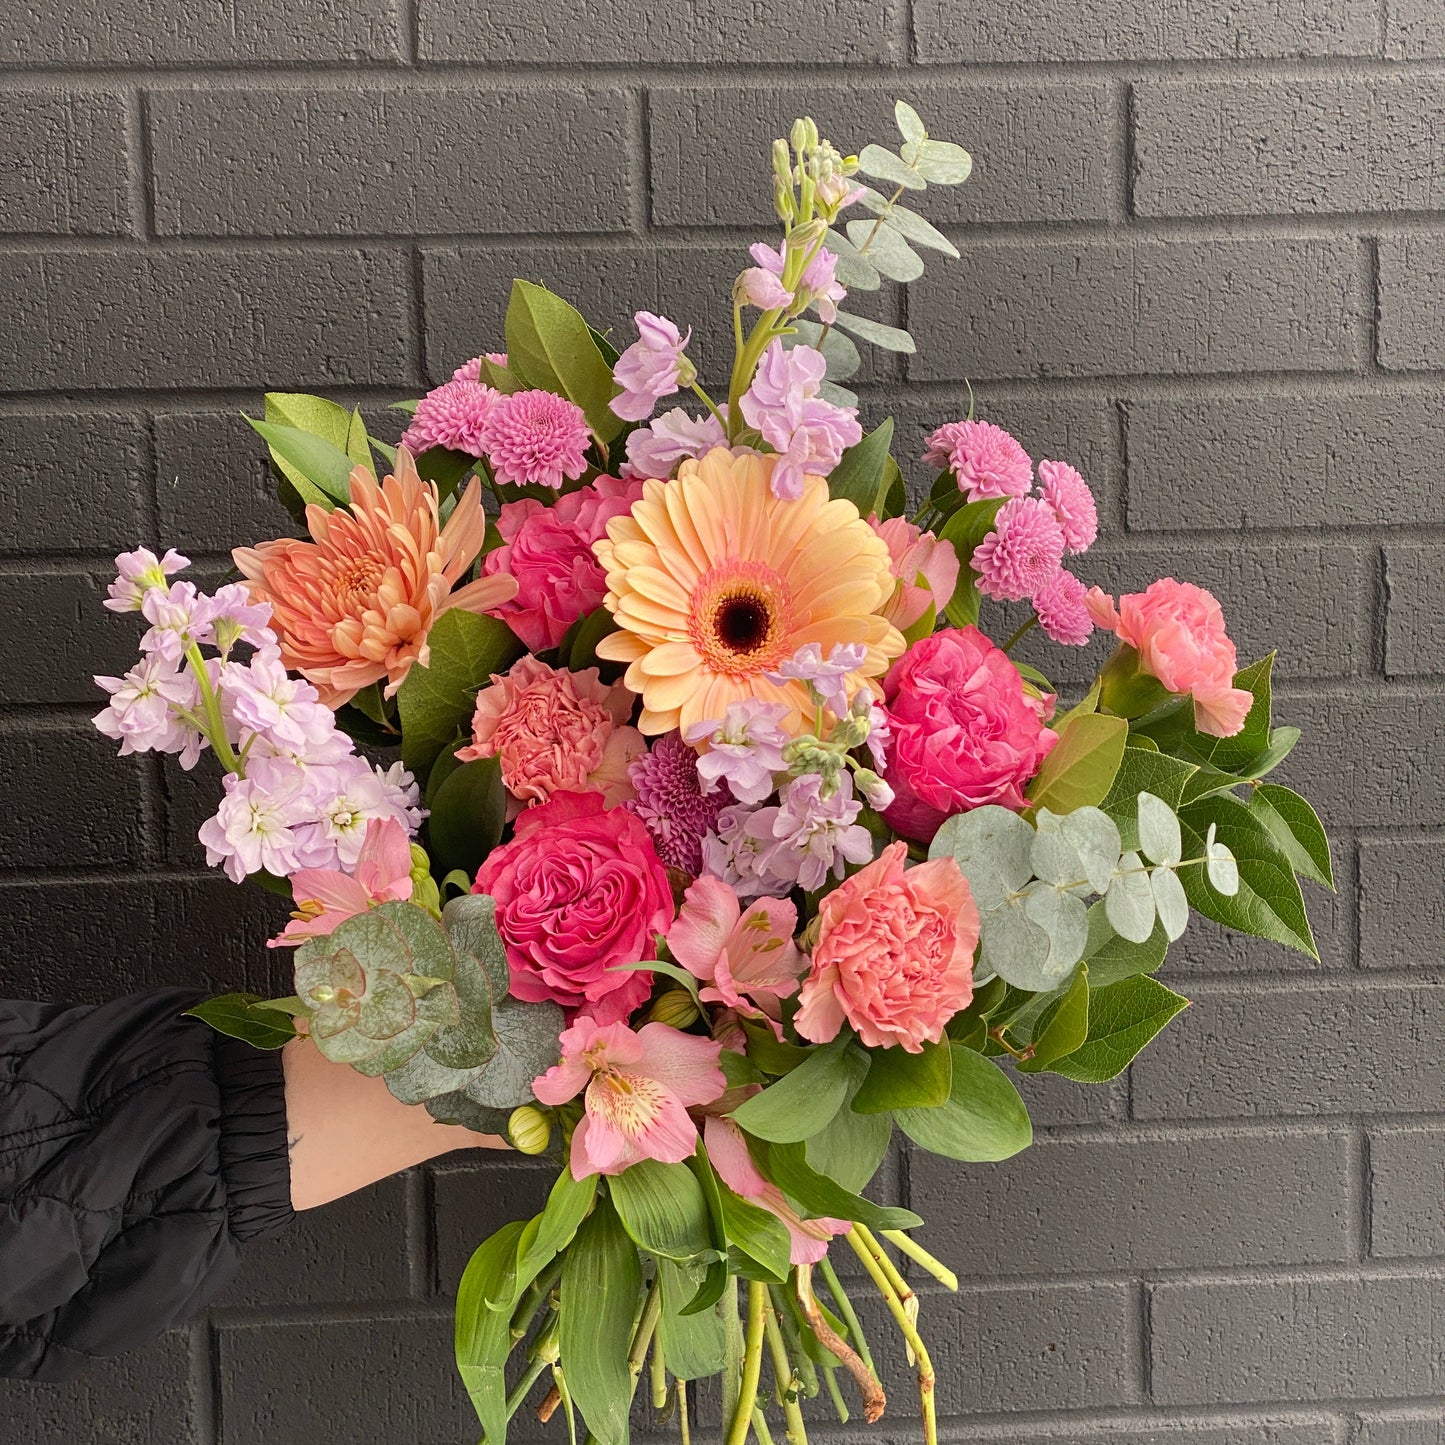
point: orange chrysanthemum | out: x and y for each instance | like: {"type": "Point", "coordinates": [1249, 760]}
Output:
{"type": "Point", "coordinates": [354, 605]}
{"type": "Point", "coordinates": [714, 582]}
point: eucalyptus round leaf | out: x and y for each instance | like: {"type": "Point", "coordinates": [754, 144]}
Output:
{"type": "Point", "coordinates": [1221, 866]}
{"type": "Point", "coordinates": [1129, 903]}
{"type": "Point", "coordinates": [1053, 856]}
{"type": "Point", "coordinates": [887, 250]}
{"type": "Point", "coordinates": [1065, 918]}
{"type": "Point", "coordinates": [1095, 838]}
{"type": "Point", "coordinates": [1159, 838]}
{"type": "Point", "coordinates": [1017, 948]}
{"type": "Point", "coordinates": [943, 163]}
{"type": "Point", "coordinates": [993, 848]}
{"type": "Point", "coordinates": [1170, 900]}
{"type": "Point", "coordinates": [883, 165]}
{"type": "Point", "coordinates": [910, 126]}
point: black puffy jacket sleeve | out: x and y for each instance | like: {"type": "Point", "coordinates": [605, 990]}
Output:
{"type": "Point", "coordinates": [138, 1152]}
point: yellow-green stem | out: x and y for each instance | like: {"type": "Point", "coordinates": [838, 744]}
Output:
{"type": "Point", "coordinates": [787, 1381]}
{"type": "Point", "coordinates": [211, 707]}
{"type": "Point", "coordinates": [642, 1335]}
{"type": "Point", "coordinates": [847, 1313]}
{"type": "Point", "coordinates": [752, 1364]}
{"type": "Point", "coordinates": [916, 1252]}
{"type": "Point", "coordinates": [909, 1331]}
{"type": "Point", "coordinates": [901, 1287]}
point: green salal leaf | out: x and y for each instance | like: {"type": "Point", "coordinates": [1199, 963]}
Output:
{"type": "Point", "coordinates": [501, 377]}
{"type": "Point", "coordinates": [817, 1196]}
{"type": "Point", "coordinates": [444, 467]}
{"type": "Point", "coordinates": [1269, 903]}
{"type": "Point", "coordinates": [550, 346]}
{"type": "Point", "coordinates": [601, 1280]}
{"type": "Point", "coordinates": [983, 1120]}
{"type": "Point", "coordinates": [910, 126]}
{"type": "Point", "coordinates": [1062, 1027]}
{"type": "Point", "coordinates": [942, 163]}
{"type": "Point", "coordinates": [248, 1017]}
{"type": "Point", "coordinates": [854, 270]}
{"type": "Point", "coordinates": [358, 444]}
{"type": "Point", "coordinates": [1111, 957]}
{"type": "Point", "coordinates": [837, 349]}
{"type": "Point", "coordinates": [1297, 829]}
{"type": "Point", "coordinates": [437, 701]}
{"type": "Point", "coordinates": [484, 1336]}
{"type": "Point", "coordinates": [319, 470]}
{"type": "Point", "coordinates": [861, 469]}
{"type": "Point", "coordinates": [1231, 755]}
{"type": "Point", "coordinates": [590, 631]}
{"type": "Point", "coordinates": [887, 250]}
{"type": "Point", "coordinates": [1144, 769]}
{"type": "Point", "coordinates": [662, 1208]}
{"type": "Point", "coordinates": [908, 224]}
{"type": "Point", "coordinates": [803, 1101]}
{"type": "Point", "coordinates": [1080, 768]}
{"type": "Point", "coordinates": [468, 814]}
{"type": "Point", "coordinates": [1123, 1018]}
{"type": "Point", "coordinates": [898, 1079]}
{"type": "Point", "coordinates": [883, 165]}
{"type": "Point", "coordinates": [890, 338]}
{"type": "Point", "coordinates": [1281, 744]}
{"type": "Point", "coordinates": [892, 500]}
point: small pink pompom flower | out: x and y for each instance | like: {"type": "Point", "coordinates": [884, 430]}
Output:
{"type": "Point", "coordinates": [1073, 503]}
{"type": "Point", "coordinates": [985, 459]}
{"type": "Point", "coordinates": [536, 437]}
{"type": "Point", "coordinates": [1062, 607]}
{"type": "Point", "coordinates": [671, 802]}
{"type": "Point", "coordinates": [453, 415]}
{"type": "Point", "coordinates": [639, 1087]}
{"type": "Point", "coordinates": [1022, 553]}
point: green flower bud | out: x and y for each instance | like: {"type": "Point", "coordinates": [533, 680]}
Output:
{"type": "Point", "coordinates": [799, 137]}
{"type": "Point", "coordinates": [674, 1008]}
{"type": "Point", "coordinates": [530, 1130]}
{"type": "Point", "coordinates": [782, 164]}
{"type": "Point", "coordinates": [850, 732]}
{"type": "Point", "coordinates": [424, 891]}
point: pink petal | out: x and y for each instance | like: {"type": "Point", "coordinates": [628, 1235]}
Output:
{"type": "Point", "coordinates": [385, 858]}
{"type": "Point", "coordinates": [685, 1065]}
{"type": "Point", "coordinates": [562, 1081]}
{"type": "Point", "coordinates": [337, 893]}
{"type": "Point", "coordinates": [728, 1151]}
{"type": "Point", "coordinates": [704, 924]}
{"type": "Point", "coordinates": [821, 1015]}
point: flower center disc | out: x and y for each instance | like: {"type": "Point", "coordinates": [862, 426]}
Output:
{"type": "Point", "coordinates": [740, 617]}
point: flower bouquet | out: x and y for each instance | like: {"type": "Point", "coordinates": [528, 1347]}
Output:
{"type": "Point", "coordinates": [648, 792]}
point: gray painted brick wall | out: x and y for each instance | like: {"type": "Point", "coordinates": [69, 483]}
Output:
{"type": "Point", "coordinates": [1204, 257]}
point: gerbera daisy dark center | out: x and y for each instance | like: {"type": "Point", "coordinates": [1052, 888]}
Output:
{"type": "Point", "coordinates": [742, 623]}
{"type": "Point", "coordinates": [740, 617]}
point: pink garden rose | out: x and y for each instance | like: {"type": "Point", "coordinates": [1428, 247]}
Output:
{"type": "Point", "coordinates": [1178, 631]}
{"type": "Point", "coordinates": [894, 956]}
{"type": "Point", "coordinates": [926, 569]}
{"type": "Point", "coordinates": [555, 731]}
{"type": "Point", "coordinates": [747, 959]}
{"type": "Point", "coordinates": [964, 731]}
{"type": "Point", "coordinates": [549, 551]}
{"type": "Point", "coordinates": [578, 889]}
{"type": "Point", "coordinates": [639, 1088]}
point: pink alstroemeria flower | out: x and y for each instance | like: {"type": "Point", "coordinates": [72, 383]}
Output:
{"type": "Point", "coordinates": [748, 959]}
{"type": "Point", "coordinates": [326, 897]}
{"type": "Point", "coordinates": [728, 1151]}
{"type": "Point", "coordinates": [639, 1088]}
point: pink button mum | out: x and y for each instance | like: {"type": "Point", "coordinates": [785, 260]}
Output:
{"type": "Point", "coordinates": [894, 956]}
{"type": "Point", "coordinates": [578, 889]}
{"type": "Point", "coordinates": [639, 1087]}
{"type": "Point", "coordinates": [1022, 552]}
{"type": "Point", "coordinates": [1178, 631]}
{"type": "Point", "coordinates": [453, 415]}
{"type": "Point", "coordinates": [1072, 502]}
{"type": "Point", "coordinates": [327, 897]}
{"type": "Point", "coordinates": [1061, 605]}
{"type": "Point", "coordinates": [555, 731]}
{"type": "Point", "coordinates": [984, 458]}
{"type": "Point", "coordinates": [536, 437]}
{"type": "Point", "coordinates": [747, 959]}
{"type": "Point", "coordinates": [672, 804]}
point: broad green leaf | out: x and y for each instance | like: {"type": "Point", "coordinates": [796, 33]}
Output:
{"type": "Point", "coordinates": [1230, 755]}
{"type": "Point", "coordinates": [1111, 957]}
{"type": "Point", "coordinates": [1143, 769]}
{"type": "Point", "coordinates": [966, 528]}
{"type": "Point", "coordinates": [501, 377]}
{"type": "Point", "coordinates": [467, 815]}
{"type": "Point", "coordinates": [1269, 903]}
{"type": "Point", "coordinates": [601, 1279]}
{"type": "Point", "coordinates": [883, 165]}
{"type": "Point", "coordinates": [662, 1208]}
{"type": "Point", "coordinates": [1296, 828]}
{"type": "Point", "coordinates": [484, 1336]}
{"type": "Point", "coordinates": [247, 1017]}
{"type": "Point", "coordinates": [550, 346]}
{"type": "Point", "coordinates": [910, 126]}
{"type": "Point", "coordinates": [890, 338]}
{"type": "Point", "coordinates": [1062, 1028]}
{"type": "Point", "coordinates": [590, 631]}
{"type": "Point", "coordinates": [444, 467]}
{"type": "Point", "coordinates": [311, 464]}
{"type": "Point", "coordinates": [900, 1080]}
{"type": "Point", "coordinates": [1129, 903]}
{"type": "Point", "coordinates": [1123, 1018]}
{"type": "Point", "coordinates": [772, 1055]}
{"type": "Point", "coordinates": [942, 163]}
{"type": "Point", "coordinates": [851, 1147]}
{"type": "Point", "coordinates": [859, 472]}
{"type": "Point", "coordinates": [568, 1204]}
{"type": "Point", "coordinates": [983, 1120]}
{"type": "Point", "coordinates": [855, 271]}
{"type": "Point", "coordinates": [1080, 768]}
{"type": "Point", "coordinates": [692, 1341]}
{"type": "Point", "coordinates": [358, 444]}
{"type": "Point", "coordinates": [1159, 837]}
{"type": "Point", "coordinates": [804, 1101]}
{"type": "Point", "coordinates": [1281, 745]}
{"type": "Point", "coordinates": [759, 1233]}
{"type": "Point", "coordinates": [887, 250]}
{"type": "Point", "coordinates": [437, 701]}
{"type": "Point", "coordinates": [818, 1196]}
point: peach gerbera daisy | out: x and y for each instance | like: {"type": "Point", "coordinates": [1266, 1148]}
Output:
{"type": "Point", "coordinates": [714, 582]}
{"type": "Point", "coordinates": [354, 605]}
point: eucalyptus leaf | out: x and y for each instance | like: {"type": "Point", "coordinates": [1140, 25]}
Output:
{"type": "Point", "coordinates": [1159, 837]}
{"type": "Point", "coordinates": [993, 848]}
{"type": "Point", "coordinates": [942, 163]}
{"type": "Point", "coordinates": [838, 395]}
{"type": "Point", "coordinates": [883, 165]}
{"type": "Point", "coordinates": [1129, 902]}
{"type": "Point", "coordinates": [1017, 948]}
{"type": "Point", "coordinates": [527, 1036]}
{"type": "Point", "coordinates": [890, 338]}
{"type": "Point", "coordinates": [887, 250]}
{"type": "Point", "coordinates": [1169, 900]}
{"type": "Point", "coordinates": [837, 349]}
{"type": "Point", "coordinates": [910, 126]}
{"type": "Point", "coordinates": [854, 270]}
{"type": "Point", "coordinates": [908, 224]}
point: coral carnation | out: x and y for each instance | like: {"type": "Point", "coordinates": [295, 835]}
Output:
{"type": "Point", "coordinates": [536, 437]}
{"type": "Point", "coordinates": [1022, 552]}
{"type": "Point", "coordinates": [555, 731]}
{"type": "Point", "coordinates": [451, 416]}
{"type": "Point", "coordinates": [354, 605]}
{"type": "Point", "coordinates": [714, 582]}
{"type": "Point", "coordinates": [894, 956]}
{"type": "Point", "coordinates": [984, 458]}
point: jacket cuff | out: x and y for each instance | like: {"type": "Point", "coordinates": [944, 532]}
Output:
{"type": "Point", "coordinates": [255, 1160]}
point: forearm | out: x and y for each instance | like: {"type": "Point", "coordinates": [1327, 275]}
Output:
{"type": "Point", "coordinates": [347, 1131]}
